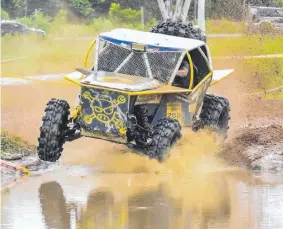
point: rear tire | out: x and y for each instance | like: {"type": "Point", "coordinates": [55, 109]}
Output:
{"type": "Point", "coordinates": [178, 29]}
{"type": "Point", "coordinates": [215, 114]}
{"type": "Point", "coordinates": [53, 130]}
{"type": "Point", "coordinates": [166, 132]}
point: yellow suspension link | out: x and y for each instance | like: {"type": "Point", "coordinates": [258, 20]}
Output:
{"type": "Point", "coordinates": [76, 112]}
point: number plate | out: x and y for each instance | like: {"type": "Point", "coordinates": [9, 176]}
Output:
{"type": "Point", "coordinates": [174, 110]}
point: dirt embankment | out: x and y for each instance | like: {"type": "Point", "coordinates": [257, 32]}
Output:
{"type": "Point", "coordinates": [256, 148]}
{"type": "Point", "coordinates": [255, 140]}
{"type": "Point", "coordinates": [16, 153]}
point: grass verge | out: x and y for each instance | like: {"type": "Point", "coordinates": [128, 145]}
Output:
{"type": "Point", "coordinates": [47, 56]}
{"type": "Point", "coordinates": [261, 75]}
{"type": "Point", "coordinates": [13, 144]}
{"type": "Point", "coordinates": [246, 45]}
{"type": "Point", "coordinates": [44, 55]}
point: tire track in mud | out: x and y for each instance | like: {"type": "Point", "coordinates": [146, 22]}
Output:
{"type": "Point", "coordinates": [13, 59]}
{"type": "Point", "coordinates": [267, 56]}
{"type": "Point", "coordinates": [5, 81]}
{"type": "Point", "coordinates": [267, 91]}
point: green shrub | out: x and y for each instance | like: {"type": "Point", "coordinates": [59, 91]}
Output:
{"type": "Point", "coordinates": [28, 21]}
{"type": "Point", "coordinates": [43, 22]}
{"type": "Point", "coordinates": [225, 26]}
{"type": "Point", "coordinates": [82, 7]}
{"type": "Point", "coordinates": [10, 143]}
{"type": "Point", "coordinates": [61, 18]}
{"type": "Point", "coordinates": [59, 21]}
{"type": "Point", "coordinates": [101, 24]}
{"type": "Point", "coordinates": [4, 14]}
{"type": "Point", "coordinates": [128, 15]}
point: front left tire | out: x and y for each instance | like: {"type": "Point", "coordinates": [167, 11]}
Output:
{"type": "Point", "coordinates": [53, 130]}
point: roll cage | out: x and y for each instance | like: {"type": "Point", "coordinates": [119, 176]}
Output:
{"type": "Point", "coordinates": [198, 58]}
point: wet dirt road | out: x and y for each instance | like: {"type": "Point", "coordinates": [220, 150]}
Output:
{"type": "Point", "coordinates": [116, 188]}
{"type": "Point", "coordinates": [103, 185]}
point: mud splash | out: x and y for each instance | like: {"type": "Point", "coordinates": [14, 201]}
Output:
{"type": "Point", "coordinates": [194, 152]}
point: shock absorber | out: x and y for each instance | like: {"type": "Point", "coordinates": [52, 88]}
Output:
{"type": "Point", "coordinates": [142, 115]}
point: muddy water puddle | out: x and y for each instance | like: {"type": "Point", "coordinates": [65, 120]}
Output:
{"type": "Point", "coordinates": [116, 188]}
{"type": "Point", "coordinates": [79, 197]}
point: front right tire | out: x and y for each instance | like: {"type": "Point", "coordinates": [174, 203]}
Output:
{"type": "Point", "coordinates": [53, 130]}
{"type": "Point", "coordinates": [166, 133]}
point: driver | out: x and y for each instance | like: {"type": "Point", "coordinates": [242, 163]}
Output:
{"type": "Point", "coordinates": [182, 79]}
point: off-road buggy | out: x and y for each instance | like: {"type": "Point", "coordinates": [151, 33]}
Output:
{"type": "Point", "coordinates": [128, 95]}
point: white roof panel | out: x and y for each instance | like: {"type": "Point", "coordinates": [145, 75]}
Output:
{"type": "Point", "coordinates": [152, 40]}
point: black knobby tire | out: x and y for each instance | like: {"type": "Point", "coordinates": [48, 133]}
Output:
{"type": "Point", "coordinates": [165, 134]}
{"type": "Point", "coordinates": [53, 130]}
{"type": "Point", "coordinates": [216, 114]}
{"type": "Point", "coordinates": [178, 29]}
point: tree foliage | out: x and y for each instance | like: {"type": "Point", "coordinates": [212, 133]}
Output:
{"type": "Point", "coordinates": [39, 19]}
{"type": "Point", "coordinates": [124, 15]}
{"type": "Point", "coordinates": [4, 14]}
{"type": "Point", "coordinates": [14, 7]}
{"type": "Point", "coordinates": [81, 7]}
{"type": "Point", "coordinates": [86, 9]}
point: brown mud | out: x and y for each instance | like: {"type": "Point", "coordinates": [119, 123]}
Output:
{"type": "Point", "coordinates": [255, 139]}
{"type": "Point", "coordinates": [258, 148]}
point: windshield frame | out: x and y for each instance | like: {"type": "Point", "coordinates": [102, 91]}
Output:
{"type": "Point", "coordinates": [98, 49]}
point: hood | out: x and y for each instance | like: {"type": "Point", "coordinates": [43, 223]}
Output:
{"type": "Point", "coordinates": [120, 81]}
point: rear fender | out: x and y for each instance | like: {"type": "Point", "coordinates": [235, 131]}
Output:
{"type": "Point", "coordinates": [174, 106]}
